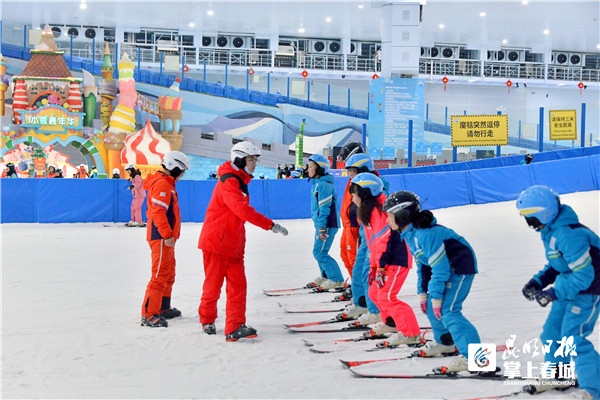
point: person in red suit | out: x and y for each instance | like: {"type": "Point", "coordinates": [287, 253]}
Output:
{"type": "Point", "coordinates": [223, 240]}
{"type": "Point", "coordinates": [164, 225]}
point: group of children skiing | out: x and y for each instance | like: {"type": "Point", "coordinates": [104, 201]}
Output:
{"type": "Point", "coordinates": [381, 235]}
{"type": "Point", "coordinates": [392, 230]}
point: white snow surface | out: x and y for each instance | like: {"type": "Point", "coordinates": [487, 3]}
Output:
{"type": "Point", "coordinates": [72, 294]}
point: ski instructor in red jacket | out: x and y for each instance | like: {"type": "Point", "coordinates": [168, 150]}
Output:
{"type": "Point", "coordinates": [223, 239]}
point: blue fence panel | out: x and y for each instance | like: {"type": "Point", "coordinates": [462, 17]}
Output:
{"type": "Point", "coordinates": [18, 200]}
{"type": "Point", "coordinates": [502, 184]}
{"type": "Point", "coordinates": [595, 167]}
{"type": "Point", "coordinates": [69, 200]}
{"type": "Point", "coordinates": [439, 190]}
{"type": "Point", "coordinates": [288, 198]}
{"type": "Point", "coordinates": [564, 176]}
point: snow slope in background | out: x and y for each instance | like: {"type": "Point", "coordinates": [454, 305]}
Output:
{"type": "Point", "coordinates": [72, 293]}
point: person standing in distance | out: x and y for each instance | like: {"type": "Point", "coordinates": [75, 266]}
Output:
{"type": "Point", "coordinates": [164, 225]}
{"type": "Point", "coordinates": [137, 190]}
{"type": "Point", "coordinates": [573, 254]}
{"type": "Point", "coordinates": [223, 241]}
{"type": "Point", "coordinates": [323, 210]}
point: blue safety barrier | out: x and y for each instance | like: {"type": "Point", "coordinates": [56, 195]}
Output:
{"type": "Point", "coordinates": [104, 200]}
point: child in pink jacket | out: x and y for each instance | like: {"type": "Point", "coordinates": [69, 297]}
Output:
{"type": "Point", "coordinates": [390, 263]}
{"type": "Point", "coordinates": [139, 195]}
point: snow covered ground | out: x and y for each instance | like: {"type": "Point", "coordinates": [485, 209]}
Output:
{"type": "Point", "coordinates": [71, 298]}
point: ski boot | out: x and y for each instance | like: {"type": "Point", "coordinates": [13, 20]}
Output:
{"type": "Point", "coordinates": [435, 349]}
{"type": "Point", "coordinates": [209, 328]}
{"type": "Point", "coordinates": [457, 364]}
{"type": "Point", "coordinates": [316, 282]}
{"type": "Point", "coordinates": [242, 332]}
{"type": "Point", "coordinates": [398, 338]}
{"type": "Point", "coordinates": [345, 296]}
{"type": "Point", "coordinates": [154, 321]}
{"type": "Point", "coordinates": [351, 312]}
{"type": "Point", "coordinates": [170, 313]}
{"type": "Point", "coordinates": [328, 285]}
{"type": "Point", "coordinates": [379, 329]}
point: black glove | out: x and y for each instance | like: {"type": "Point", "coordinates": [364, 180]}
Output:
{"type": "Point", "coordinates": [531, 289]}
{"type": "Point", "coordinates": [545, 297]}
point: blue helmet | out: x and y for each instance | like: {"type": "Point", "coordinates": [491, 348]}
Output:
{"type": "Point", "coordinates": [367, 180]}
{"type": "Point", "coordinates": [362, 162]}
{"type": "Point", "coordinates": [539, 205]}
{"type": "Point", "coordinates": [296, 174]}
{"type": "Point", "coordinates": [322, 162]}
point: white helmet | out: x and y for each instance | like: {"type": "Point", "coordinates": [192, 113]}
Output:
{"type": "Point", "coordinates": [129, 166]}
{"type": "Point", "coordinates": [116, 171]}
{"type": "Point", "coordinates": [175, 159]}
{"type": "Point", "coordinates": [244, 149]}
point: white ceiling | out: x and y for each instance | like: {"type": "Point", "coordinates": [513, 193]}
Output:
{"type": "Point", "coordinates": [573, 25]}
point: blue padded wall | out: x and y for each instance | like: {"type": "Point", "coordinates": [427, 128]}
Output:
{"type": "Point", "coordinates": [104, 200]}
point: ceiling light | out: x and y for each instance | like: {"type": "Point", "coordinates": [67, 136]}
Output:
{"type": "Point", "coordinates": [301, 30]}
{"type": "Point", "coordinates": [546, 31]}
{"type": "Point", "coordinates": [482, 14]}
{"type": "Point", "coordinates": [360, 6]}
{"type": "Point", "coordinates": [441, 26]}
{"type": "Point", "coordinates": [504, 41]}
{"type": "Point", "coordinates": [191, 24]}
{"type": "Point", "coordinates": [83, 6]}
{"type": "Point", "coordinates": [210, 12]}
{"type": "Point", "coordinates": [525, 2]}
{"type": "Point", "coordinates": [598, 46]}
{"type": "Point", "coordinates": [328, 19]}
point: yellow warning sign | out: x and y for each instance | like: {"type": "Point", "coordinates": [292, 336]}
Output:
{"type": "Point", "coordinates": [479, 130]}
{"type": "Point", "coordinates": [563, 124]}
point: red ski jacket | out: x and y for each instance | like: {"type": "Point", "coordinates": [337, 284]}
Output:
{"type": "Point", "coordinates": [223, 230]}
{"type": "Point", "coordinates": [164, 220]}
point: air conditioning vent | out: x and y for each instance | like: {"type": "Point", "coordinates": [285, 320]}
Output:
{"type": "Point", "coordinates": [207, 41]}
{"type": "Point", "coordinates": [90, 33]}
{"type": "Point", "coordinates": [56, 31]}
{"type": "Point", "coordinates": [318, 46]}
{"type": "Point", "coordinates": [576, 60]}
{"type": "Point", "coordinates": [238, 42]}
{"type": "Point", "coordinates": [435, 52]}
{"type": "Point", "coordinates": [513, 56]}
{"type": "Point", "coordinates": [448, 53]}
{"type": "Point", "coordinates": [222, 41]}
{"type": "Point", "coordinates": [73, 32]}
{"type": "Point", "coordinates": [559, 58]}
{"type": "Point", "coordinates": [334, 47]}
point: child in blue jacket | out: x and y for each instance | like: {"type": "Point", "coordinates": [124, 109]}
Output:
{"type": "Point", "coordinates": [323, 210]}
{"type": "Point", "coordinates": [573, 253]}
{"type": "Point", "coordinates": [446, 268]}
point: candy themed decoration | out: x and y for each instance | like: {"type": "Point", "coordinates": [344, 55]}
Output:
{"type": "Point", "coordinates": [39, 162]}
{"type": "Point", "coordinates": [23, 157]}
{"type": "Point", "coordinates": [3, 83]}
{"type": "Point", "coordinates": [145, 149]}
{"type": "Point", "coordinates": [107, 88]}
{"type": "Point", "coordinates": [170, 115]}
{"type": "Point", "coordinates": [122, 120]}
{"type": "Point", "coordinates": [147, 105]}
{"type": "Point", "coordinates": [90, 94]}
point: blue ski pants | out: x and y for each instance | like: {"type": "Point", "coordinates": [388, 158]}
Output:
{"type": "Point", "coordinates": [327, 264]}
{"type": "Point", "coordinates": [360, 274]}
{"type": "Point", "coordinates": [463, 332]}
{"type": "Point", "coordinates": [576, 318]}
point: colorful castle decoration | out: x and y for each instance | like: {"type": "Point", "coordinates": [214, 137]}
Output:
{"type": "Point", "coordinates": [170, 115]}
{"type": "Point", "coordinates": [145, 149]}
{"type": "Point", "coordinates": [49, 109]}
{"type": "Point", "coordinates": [45, 80]}
{"type": "Point", "coordinates": [90, 96]}
{"type": "Point", "coordinates": [3, 84]}
{"type": "Point", "coordinates": [107, 88]}
{"type": "Point", "coordinates": [122, 120]}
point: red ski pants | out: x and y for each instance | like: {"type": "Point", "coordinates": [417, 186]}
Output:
{"type": "Point", "coordinates": [218, 267]}
{"type": "Point", "coordinates": [386, 299]}
{"type": "Point", "coordinates": [163, 277]}
{"type": "Point", "coordinates": [348, 244]}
